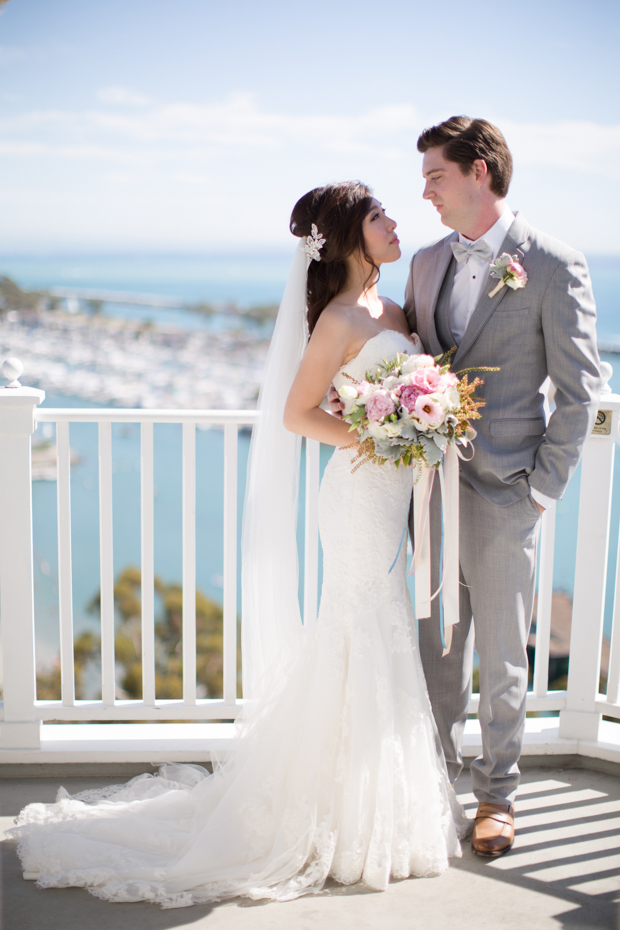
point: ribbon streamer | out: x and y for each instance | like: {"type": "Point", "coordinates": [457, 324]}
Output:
{"type": "Point", "coordinates": [449, 557]}
{"type": "Point", "coordinates": [421, 561]}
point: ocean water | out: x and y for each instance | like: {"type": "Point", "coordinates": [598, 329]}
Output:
{"type": "Point", "coordinates": [246, 280]}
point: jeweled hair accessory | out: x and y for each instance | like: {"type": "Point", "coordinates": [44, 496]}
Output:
{"type": "Point", "coordinates": [313, 244]}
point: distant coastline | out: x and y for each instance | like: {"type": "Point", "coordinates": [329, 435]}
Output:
{"type": "Point", "coordinates": [175, 330]}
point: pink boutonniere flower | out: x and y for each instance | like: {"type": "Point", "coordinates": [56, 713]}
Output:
{"type": "Point", "coordinates": [509, 271]}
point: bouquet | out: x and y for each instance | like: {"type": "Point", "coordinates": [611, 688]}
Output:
{"type": "Point", "coordinates": [409, 409]}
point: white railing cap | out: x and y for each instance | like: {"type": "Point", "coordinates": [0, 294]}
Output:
{"type": "Point", "coordinates": [143, 415]}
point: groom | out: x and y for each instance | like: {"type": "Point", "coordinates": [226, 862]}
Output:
{"type": "Point", "coordinates": [521, 463]}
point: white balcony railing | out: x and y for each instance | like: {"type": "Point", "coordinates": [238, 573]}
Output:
{"type": "Point", "coordinates": [581, 706]}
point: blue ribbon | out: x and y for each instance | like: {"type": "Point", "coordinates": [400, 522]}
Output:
{"type": "Point", "coordinates": [400, 545]}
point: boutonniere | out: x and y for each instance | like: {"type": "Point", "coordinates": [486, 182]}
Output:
{"type": "Point", "coordinates": [509, 271]}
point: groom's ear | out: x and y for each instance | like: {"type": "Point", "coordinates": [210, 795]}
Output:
{"type": "Point", "coordinates": [480, 170]}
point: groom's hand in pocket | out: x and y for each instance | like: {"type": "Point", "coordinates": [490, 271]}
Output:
{"type": "Point", "coordinates": [335, 404]}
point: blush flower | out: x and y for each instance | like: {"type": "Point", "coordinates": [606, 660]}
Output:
{"type": "Point", "coordinates": [428, 411]}
{"type": "Point", "coordinates": [365, 390]}
{"type": "Point", "coordinates": [509, 272]}
{"type": "Point", "coordinates": [516, 275]}
{"type": "Point", "coordinates": [427, 379]}
{"type": "Point", "coordinates": [380, 405]}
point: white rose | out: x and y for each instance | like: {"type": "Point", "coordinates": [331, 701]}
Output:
{"type": "Point", "coordinates": [376, 430]}
{"type": "Point", "coordinates": [348, 392]}
{"type": "Point", "coordinates": [391, 382]}
{"type": "Point", "coordinates": [392, 429]}
{"type": "Point", "coordinates": [420, 425]}
{"type": "Point", "coordinates": [415, 362]}
{"type": "Point", "coordinates": [454, 397]}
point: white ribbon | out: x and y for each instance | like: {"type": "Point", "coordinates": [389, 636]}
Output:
{"type": "Point", "coordinates": [421, 563]}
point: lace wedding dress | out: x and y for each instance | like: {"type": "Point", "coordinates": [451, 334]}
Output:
{"type": "Point", "coordinates": [336, 772]}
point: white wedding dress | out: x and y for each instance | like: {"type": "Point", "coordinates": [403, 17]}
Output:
{"type": "Point", "coordinates": [336, 772]}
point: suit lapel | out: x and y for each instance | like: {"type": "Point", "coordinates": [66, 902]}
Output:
{"type": "Point", "coordinates": [427, 323]}
{"type": "Point", "coordinates": [515, 243]}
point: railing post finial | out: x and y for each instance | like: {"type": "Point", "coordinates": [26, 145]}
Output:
{"type": "Point", "coordinates": [12, 369]}
{"type": "Point", "coordinates": [606, 373]}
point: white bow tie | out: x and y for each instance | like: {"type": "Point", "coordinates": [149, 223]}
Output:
{"type": "Point", "coordinates": [464, 251]}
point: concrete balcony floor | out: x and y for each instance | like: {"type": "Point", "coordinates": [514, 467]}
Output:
{"type": "Point", "coordinates": [562, 872]}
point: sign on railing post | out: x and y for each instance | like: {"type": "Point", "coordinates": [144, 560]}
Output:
{"type": "Point", "coordinates": [18, 728]}
{"type": "Point", "coordinates": [580, 719]}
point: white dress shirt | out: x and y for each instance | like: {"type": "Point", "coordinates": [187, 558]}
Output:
{"type": "Point", "coordinates": [469, 280]}
{"type": "Point", "coordinates": [470, 277]}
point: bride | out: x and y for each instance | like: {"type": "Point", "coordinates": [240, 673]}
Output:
{"type": "Point", "coordinates": [337, 771]}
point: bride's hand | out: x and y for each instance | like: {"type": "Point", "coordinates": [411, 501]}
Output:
{"type": "Point", "coordinates": [335, 404]}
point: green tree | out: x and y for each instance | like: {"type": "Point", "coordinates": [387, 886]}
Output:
{"type": "Point", "coordinates": [12, 297]}
{"type": "Point", "coordinates": [168, 638]}
{"type": "Point", "coordinates": [85, 647]}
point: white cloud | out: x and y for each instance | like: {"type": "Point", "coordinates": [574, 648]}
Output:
{"type": "Point", "coordinates": [229, 171]}
{"type": "Point", "coordinates": [186, 177]}
{"type": "Point", "coordinates": [75, 152]}
{"type": "Point", "coordinates": [122, 96]}
{"type": "Point", "coordinates": [239, 122]}
{"type": "Point", "coordinates": [586, 147]}
{"type": "Point", "coordinates": [236, 121]}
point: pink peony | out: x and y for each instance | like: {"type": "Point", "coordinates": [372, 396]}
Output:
{"type": "Point", "coordinates": [426, 379]}
{"type": "Point", "coordinates": [409, 395]}
{"type": "Point", "coordinates": [380, 405]}
{"type": "Point", "coordinates": [429, 411]}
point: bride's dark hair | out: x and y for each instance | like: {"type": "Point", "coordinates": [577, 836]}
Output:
{"type": "Point", "coordinates": [338, 212]}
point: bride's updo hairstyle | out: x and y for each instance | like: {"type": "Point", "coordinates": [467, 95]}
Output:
{"type": "Point", "coordinates": [338, 212]}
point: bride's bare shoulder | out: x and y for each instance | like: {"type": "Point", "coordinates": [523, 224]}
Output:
{"type": "Point", "coordinates": [338, 316]}
{"type": "Point", "coordinates": [395, 315]}
{"type": "Point", "coordinates": [390, 304]}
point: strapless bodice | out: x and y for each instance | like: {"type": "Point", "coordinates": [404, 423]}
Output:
{"type": "Point", "coordinates": [384, 345]}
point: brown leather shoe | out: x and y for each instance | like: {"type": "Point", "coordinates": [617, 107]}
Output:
{"type": "Point", "coordinates": [494, 829]}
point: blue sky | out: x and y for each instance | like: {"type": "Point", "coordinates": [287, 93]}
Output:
{"type": "Point", "coordinates": [143, 124]}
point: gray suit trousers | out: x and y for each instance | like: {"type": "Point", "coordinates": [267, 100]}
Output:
{"type": "Point", "coordinates": [498, 565]}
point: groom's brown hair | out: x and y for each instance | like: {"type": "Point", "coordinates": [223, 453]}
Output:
{"type": "Point", "coordinates": [464, 140]}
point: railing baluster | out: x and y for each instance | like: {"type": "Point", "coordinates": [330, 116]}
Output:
{"type": "Point", "coordinates": [189, 563]}
{"type": "Point", "coordinates": [311, 536]}
{"type": "Point", "coordinates": [230, 563]}
{"type": "Point", "coordinates": [65, 594]}
{"type": "Point", "coordinates": [613, 673]}
{"type": "Point", "coordinates": [545, 596]}
{"type": "Point", "coordinates": [106, 565]}
{"type": "Point", "coordinates": [148, 569]}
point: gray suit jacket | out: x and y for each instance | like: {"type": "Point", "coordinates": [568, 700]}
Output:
{"type": "Point", "coordinates": [545, 329]}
